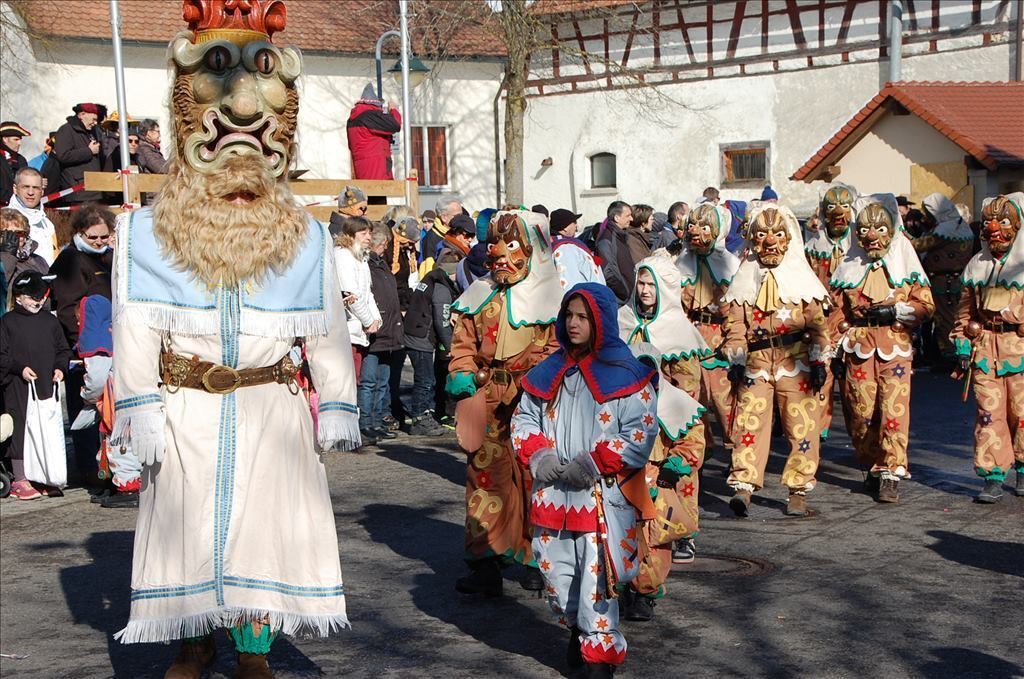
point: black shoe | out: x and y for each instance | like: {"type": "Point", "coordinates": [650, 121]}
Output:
{"type": "Point", "coordinates": [573, 654]}
{"type": "Point", "coordinates": [121, 500]}
{"type": "Point", "coordinates": [426, 426]}
{"type": "Point", "coordinates": [532, 580]}
{"type": "Point", "coordinates": [626, 599]}
{"type": "Point", "coordinates": [98, 498]}
{"type": "Point", "coordinates": [642, 609]}
{"type": "Point", "coordinates": [684, 551]}
{"type": "Point", "coordinates": [600, 671]}
{"type": "Point", "coordinates": [485, 579]}
{"type": "Point", "coordinates": [369, 437]}
{"type": "Point", "coordinates": [991, 493]}
{"type": "Point", "coordinates": [1018, 489]}
{"type": "Point", "coordinates": [872, 483]}
{"type": "Point", "coordinates": [740, 502]}
{"type": "Point", "coordinates": [384, 433]}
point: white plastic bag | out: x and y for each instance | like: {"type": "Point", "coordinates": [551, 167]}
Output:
{"type": "Point", "coordinates": [45, 453]}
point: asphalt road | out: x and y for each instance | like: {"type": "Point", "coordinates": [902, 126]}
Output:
{"type": "Point", "coordinates": [933, 587]}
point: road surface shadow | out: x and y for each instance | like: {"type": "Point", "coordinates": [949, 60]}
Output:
{"type": "Point", "coordinates": [504, 624]}
{"type": "Point", "coordinates": [999, 557]}
{"type": "Point", "coordinates": [437, 462]}
{"type": "Point", "coordinates": [99, 595]}
{"type": "Point", "coordinates": [965, 663]}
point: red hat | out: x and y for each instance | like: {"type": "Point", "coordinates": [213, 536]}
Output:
{"type": "Point", "coordinates": [240, 21]}
{"type": "Point", "coordinates": [87, 108]}
{"type": "Point", "coordinates": [9, 128]}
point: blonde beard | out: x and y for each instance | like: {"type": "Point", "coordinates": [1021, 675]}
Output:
{"type": "Point", "coordinates": [222, 243]}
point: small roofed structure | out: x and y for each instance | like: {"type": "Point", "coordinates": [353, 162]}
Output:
{"type": "Point", "coordinates": [964, 139]}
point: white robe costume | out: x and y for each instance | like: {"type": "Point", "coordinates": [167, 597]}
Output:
{"type": "Point", "coordinates": [236, 522]}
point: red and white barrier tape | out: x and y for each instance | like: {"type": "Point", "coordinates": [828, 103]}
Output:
{"type": "Point", "coordinates": [60, 194]}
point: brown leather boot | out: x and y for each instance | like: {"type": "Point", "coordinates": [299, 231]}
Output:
{"type": "Point", "coordinates": [797, 505]}
{"type": "Point", "coordinates": [253, 666]}
{"type": "Point", "coordinates": [740, 502]}
{"type": "Point", "coordinates": [193, 658]}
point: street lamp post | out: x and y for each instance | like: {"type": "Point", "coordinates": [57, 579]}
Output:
{"type": "Point", "coordinates": [380, 43]}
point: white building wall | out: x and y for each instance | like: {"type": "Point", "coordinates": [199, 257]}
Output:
{"type": "Point", "coordinates": [668, 152]}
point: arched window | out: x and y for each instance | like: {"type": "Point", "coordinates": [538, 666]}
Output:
{"type": "Point", "coordinates": [602, 171]}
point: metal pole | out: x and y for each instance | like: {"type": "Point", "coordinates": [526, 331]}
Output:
{"type": "Point", "coordinates": [1019, 38]}
{"type": "Point", "coordinates": [380, 43]}
{"type": "Point", "coordinates": [895, 40]}
{"type": "Point", "coordinates": [403, 6]}
{"type": "Point", "coordinates": [122, 106]}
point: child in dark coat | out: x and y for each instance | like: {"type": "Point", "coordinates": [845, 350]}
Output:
{"type": "Point", "coordinates": [32, 348]}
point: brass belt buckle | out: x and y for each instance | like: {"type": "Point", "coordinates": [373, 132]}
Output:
{"type": "Point", "coordinates": [501, 377]}
{"type": "Point", "coordinates": [235, 375]}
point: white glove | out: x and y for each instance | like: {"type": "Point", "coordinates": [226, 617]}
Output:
{"type": "Point", "coordinates": [144, 432]}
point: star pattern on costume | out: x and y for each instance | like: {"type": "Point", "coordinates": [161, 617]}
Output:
{"type": "Point", "coordinates": [638, 436]}
{"type": "Point", "coordinates": [984, 418]}
{"type": "Point", "coordinates": [594, 568]}
{"type": "Point", "coordinates": [804, 445]}
{"type": "Point", "coordinates": [545, 565]}
{"type": "Point", "coordinates": [648, 419]}
{"type": "Point", "coordinates": [759, 315]}
{"type": "Point", "coordinates": [492, 333]}
{"type": "Point", "coordinates": [539, 493]}
{"type": "Point", "coordinates": [760, 332]}
{"type": "Point", "coordinates": [595, 597]}
{"type": "Point", "coordinates": [607, 639]}
{"type": "Point", "coordinates": [602, 623]}
{"type": "Point", "coordinates": [748, 439]}
{"type": "Point", "coordinates": [551, 590]}
{"type": "Point", "coordinates": [859, 374]}
{"type": "Point", "coordinates": [552, 413]}
{"type": "Point", "coordinates": [645, 396]}
{"type": "Point", "coordinates": [593, 538]}
{"type": "Point", "coordinates": [604, 417]}
{"type": "Point", "coordinates": [688, 490]}
{"type": "Point", "coordinates": [782, 329]}
{"type": "Point", "coordinates": [545, 537]}
{"type": "Point", "coordinates": [892, 424]}
{"type": "Point", "coordinates": [631, 533]}
{"type": "Point", "coordinates": [899, 371]}
{"type": "Point", "coordinates": [784, 314]}
{"type": "Point", "coordinates": [618, 444]}
{"type": "Point", "coordinates": [805, 386]}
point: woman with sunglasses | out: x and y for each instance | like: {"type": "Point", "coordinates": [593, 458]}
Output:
{"type": "Point", "coordinates": [83, 266]}
{"type": "Point", "coordinates": [133, 152]}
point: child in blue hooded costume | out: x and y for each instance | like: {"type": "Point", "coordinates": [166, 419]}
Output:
{"type": "Point", "coordinates": [585, 427]}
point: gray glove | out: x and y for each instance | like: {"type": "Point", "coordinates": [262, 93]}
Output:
{"type": "Point", "coordinates": [546, 467]}
{"type": "Point", "coordinates": [581, 472]}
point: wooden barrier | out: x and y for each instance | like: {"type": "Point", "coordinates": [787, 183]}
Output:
{"type": "Point", "coordinates": [377, 191]}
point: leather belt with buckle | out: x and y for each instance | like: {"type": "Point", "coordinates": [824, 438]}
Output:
{"type": "Point", "coordinates": [776, 341]}
{"type": "Point", "coordinates": [869, 323]}
{"type": "Point", "coordinates": [178, 371]}
{"type": "Point", "coordinates": [706, 318]}
{"type": "Point", "coordinates": [1000, 326]}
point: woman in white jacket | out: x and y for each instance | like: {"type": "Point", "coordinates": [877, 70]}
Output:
{"type": "Point", "coordinates": [352, 241]}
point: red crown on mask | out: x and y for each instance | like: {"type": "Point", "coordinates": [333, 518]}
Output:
{"type": "Point", "coordinates": [239, 21]}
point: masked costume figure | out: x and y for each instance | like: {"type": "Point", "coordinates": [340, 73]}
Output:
{"type": "Point", "coordinates": [213, 288]}
{"type": "Point", "coordinates": [881, 293]}
{"type": "Point", "coordinates": [825, 249]}
{"type": "Point", "coordinates": [777, 344]}
{"type": "Point", "coordinates": [502, 327]}
{"type": "Point", "coordinates": [944, 251]}
{"type": "Point", "coordinates": [706, 268]}
{"type": "Point", "coordinates": [585, 427]}
{"type": "Point", "coordinates": [989, 340]}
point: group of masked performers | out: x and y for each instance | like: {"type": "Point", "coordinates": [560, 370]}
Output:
{"type": "Point", "coordinates": [586, 425]}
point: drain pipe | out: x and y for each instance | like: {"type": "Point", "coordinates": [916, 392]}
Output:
{"type": "Point", "coordinates": [1017, 75]}
{"type": "Point", "coordinates": [895, 40]}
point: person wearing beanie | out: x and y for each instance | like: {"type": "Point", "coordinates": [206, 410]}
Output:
{"type": "Point", "coordinates": [32, 350]}
{"type": "Point", "coordinates": [574, 261]}
{"type": "Point", "coordinates": [11, 160]}
{"type": "Point", "coordinates": [352, 202]}
{"type": "Point", "coordinates": [370, 127]}
{"type": "Point", "coordinates": [78, 151]}
{"type": "Point", "coordinates": [768, 195]}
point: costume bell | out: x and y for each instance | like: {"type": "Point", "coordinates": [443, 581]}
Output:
{"type": "Point", "coordinates": [706, 268]}
{"type": "Point", "coordinates": [585, 428]}
{"type": "Point", "coordinates": [503, 325]}
{"type": "Point", "coordinates": [778, 347]}
{"type": "Point", "coordinates": [825, 249]}
{"type": "Point", "coordinates": [989, 340]}
{"type": "Point", "coordinates": [205, 335]}
{"type": "Point", "coordinates": [881, 293]}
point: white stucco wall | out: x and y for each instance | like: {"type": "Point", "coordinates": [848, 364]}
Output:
{"type": "Point", "coordinates": [676, 156]}
{"type": "Point", "coordinates": [459, 94]}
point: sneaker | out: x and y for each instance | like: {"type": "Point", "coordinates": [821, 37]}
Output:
{"type": "Point", "coordinates": [990, 494]}
{"type": "Point", "coordinates": [642, 609]}
{"type": "Point", "coordinates": [23, 490]}
{"type": "Point", "coordinates": [889, 490]}
{"type": "Point", "coordinates": [684, 551]}
{"type": "Point", "coordinates": [426, 426]}
{"type": "Point", "coordinates": [120, 501]}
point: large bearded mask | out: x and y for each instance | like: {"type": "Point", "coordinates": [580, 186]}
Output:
{"type": "Point", "coordinates": [837, 211]}
{"type": "Point", "coordinates": [508, 250]}
{"type": "Point", "coordinates": [702, 229]}
{"type": "Point", "coordinates": [226, 213]}
{"type": "Point", "coordinates": [1000, 224]}
{"type": "Point", "coordinates": [875, 230]}
{"type": "Point", "coordinates": [769, 237]}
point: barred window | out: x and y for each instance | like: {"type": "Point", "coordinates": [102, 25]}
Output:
{"type": "Point", "coordinates": [745, 164]}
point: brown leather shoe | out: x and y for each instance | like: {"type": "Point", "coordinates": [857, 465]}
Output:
{"type": "Point", "coordinates": [797, 505]}
{"type": "Point", "coordinates": [740, 502]}
{"type": "Point", "coordinates": [253, 666]}
{"type": "Point", "coordinates": [193, 658]}
{"type": "Point", "coordinates": [889, 491]}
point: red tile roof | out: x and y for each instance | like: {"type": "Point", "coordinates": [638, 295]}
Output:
{"type": "Point", "coordinates": [985, 119]}
{"type": "Point", "coordinates": [455, 27]}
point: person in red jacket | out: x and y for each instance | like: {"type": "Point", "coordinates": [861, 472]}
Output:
{"type": "Point", "coordinates": [370, 127]}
